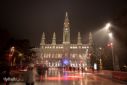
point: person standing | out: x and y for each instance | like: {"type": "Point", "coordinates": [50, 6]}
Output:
{"type": "Point", "coordinates": [43, 71]}
{"type": "Point", "coordinates": [29, 76]}
{"type": "Point", "coordinates": [39, 71]}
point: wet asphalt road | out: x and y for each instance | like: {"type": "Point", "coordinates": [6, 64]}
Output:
{"type": "Point", "coordinates": [57, 77]}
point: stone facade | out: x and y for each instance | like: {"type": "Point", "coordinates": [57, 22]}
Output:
{"type": "Point", "coordinates": [64, 54]}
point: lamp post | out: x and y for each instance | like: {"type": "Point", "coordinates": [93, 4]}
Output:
{"type": "Point", "coordinates": [112, 52]}
{"type": "Point", "coordinates": [21, 58]}
{"type": "Point", "coordinates": [100, 59]}
{"type": "Point", "coordinates": [112, 48]}
{"type": "Point", "coordinates": [115, 58]}
{"type": "Point", "coordinates": [110, 35]}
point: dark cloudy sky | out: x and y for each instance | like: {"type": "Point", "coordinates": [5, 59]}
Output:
{"type": "Point", "coordinates": [29, 18]}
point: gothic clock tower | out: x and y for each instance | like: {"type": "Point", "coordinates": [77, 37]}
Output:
{"type": "Point", "coordinates": [66, 30]}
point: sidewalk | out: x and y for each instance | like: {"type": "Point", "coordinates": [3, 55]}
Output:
{"type": "Point", "coordinates": [108, 75]}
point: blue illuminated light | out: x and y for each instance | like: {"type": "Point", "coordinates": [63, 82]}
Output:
{"type": "Point", "coordinates": [66, 61]}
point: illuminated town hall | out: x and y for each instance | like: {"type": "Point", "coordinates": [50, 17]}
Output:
{"type": "Point", "coordinates": [66, 53]}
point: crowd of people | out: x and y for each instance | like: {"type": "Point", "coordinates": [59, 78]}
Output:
{"type": "Point", "coordinates": [32, 72]}
{"type": "Point", "coordinates": [69, 68]}
{"type": "Point", "coordinates": [37, 72]}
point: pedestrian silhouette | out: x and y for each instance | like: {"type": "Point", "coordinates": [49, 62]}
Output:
{"type": "Point", "coordinates": [29, 75]}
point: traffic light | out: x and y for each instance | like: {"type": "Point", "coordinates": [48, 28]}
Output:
{"type": "Point", "coordinates": [110, 44]}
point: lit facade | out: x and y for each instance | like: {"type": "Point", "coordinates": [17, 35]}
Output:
{"type": "Point", "coordinates": [66, 53]}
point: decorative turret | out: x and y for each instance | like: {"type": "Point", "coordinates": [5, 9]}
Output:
{"type": "Point", "coordinates": [79, 42]}
{"type": "Point", "coordinates": [66, 30]}
{"type": "Point", "coordinates": [54, 39]}
{"type": "Point", "coordinates": [43, 39]}
{"type": "Point", "coordinates": [90, 39]}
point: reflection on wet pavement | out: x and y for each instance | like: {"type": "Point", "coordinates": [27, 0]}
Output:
{"type": "Point", "coordinates": [59, 77]}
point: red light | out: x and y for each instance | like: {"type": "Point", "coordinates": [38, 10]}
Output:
{"type": "Point", "coordinates": [89, 54]}
{"type": "Point", "coordinates": [109, 44]}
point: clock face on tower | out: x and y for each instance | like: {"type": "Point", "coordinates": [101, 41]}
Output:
{"type": "Point", "coordinates": [66, 29]}
{"type": "Point", "coordinates": [66, 24]}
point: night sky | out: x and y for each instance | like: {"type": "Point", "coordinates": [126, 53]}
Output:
{"type": "Point", "coordinates": [29, 18]}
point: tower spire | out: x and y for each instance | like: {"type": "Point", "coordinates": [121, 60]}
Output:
{"type": "Point", "coordinates": [66, 14]}
{"type": "Point", "coordinates": [43, 39]}
{"type": "Point", "coordinates": [54, 38]}
{"type": "Point", "coordinates": [66, 30]}
{"type": "Point", "coordinates": [66, 21]}
{"type": "Point", "coordinates": [79, 39]}
{"type": "Point", "coordinates": [90, 39]}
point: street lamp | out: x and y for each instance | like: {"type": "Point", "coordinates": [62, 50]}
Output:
{"type": "Point", "coordinates": [107, 26]}
{"type": "Point", "coordinates": [113, 57]}
{"type": "Point", "coordinates": [100, 58]}
{"type": "Point", "coordinates": [111, 38]}
{"type": "Point", "coordinates": [21, 58]}
{"type": "Point", "coordinates": [110, 34]}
